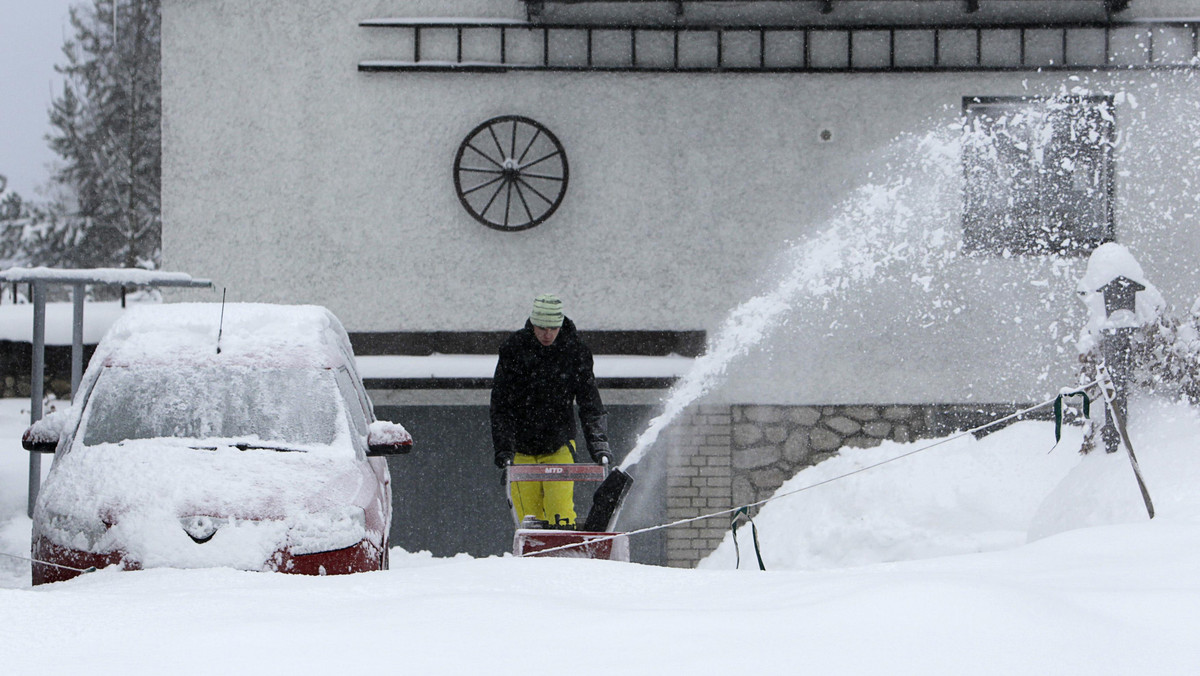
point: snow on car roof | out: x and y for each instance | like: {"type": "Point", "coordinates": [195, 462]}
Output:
{"type": "Point", "coordinates": [293, 335]}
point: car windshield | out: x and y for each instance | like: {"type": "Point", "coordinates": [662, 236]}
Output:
{"type": "Point", "coordinates": [247, 406]}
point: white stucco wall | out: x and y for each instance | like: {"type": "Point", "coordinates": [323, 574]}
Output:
{"type": "Point", "coordinates": [289, 176]}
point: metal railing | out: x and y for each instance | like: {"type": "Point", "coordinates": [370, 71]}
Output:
{"type": "Point", "coordinates": [497, 46]}
{"type": "Point", "coordinates": [535, 7]}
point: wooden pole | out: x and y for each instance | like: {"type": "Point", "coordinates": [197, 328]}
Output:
{"type": "Point", "coordinates": [1110, 397]}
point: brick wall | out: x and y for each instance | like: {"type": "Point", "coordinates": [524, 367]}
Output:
{"type": "Point", "coordinates": [699, 481]}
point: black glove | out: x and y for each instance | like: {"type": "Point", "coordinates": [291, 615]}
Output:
{"type": "Point", "coordinates": [602, 457]}
{"type": "Point", "coordinates": [504, 459]}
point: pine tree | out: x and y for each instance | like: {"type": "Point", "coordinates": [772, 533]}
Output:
{"type": "Point", "coordinates": [27, 231]}
{"type": "Point", "coordinates": [106, 128]}
{"type": "Point", "coordinates": [11, 208]}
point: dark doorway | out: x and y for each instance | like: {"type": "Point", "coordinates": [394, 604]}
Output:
{"type": "Point", "coordinates": [447, 495]}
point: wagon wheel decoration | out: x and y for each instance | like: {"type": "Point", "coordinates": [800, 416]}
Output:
{"type": "Point", "coordinates": [510, 173]}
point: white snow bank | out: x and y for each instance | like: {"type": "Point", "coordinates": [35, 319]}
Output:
{"type": "Point", "coordinates": [15, 527]}
{"type": "Point", "coordinates": [16, 322]}
{"type": "Point", "coordinates": [971, 495]}
{"type": "Point", "coordinates": [967, 495]}
{"type": "Point", "coordinates": [1105, 601]}
{"type": "Point", "coordinates": [1102, 490]}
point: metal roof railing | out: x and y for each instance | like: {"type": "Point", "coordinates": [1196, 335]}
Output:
{"type": "Point", "coordinates": [498, 46]}
{"type": "Point", "coordinates": [535, 8]}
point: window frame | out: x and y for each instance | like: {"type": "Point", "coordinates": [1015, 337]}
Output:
{"type": "Point", "coordinates": [1075, 241]}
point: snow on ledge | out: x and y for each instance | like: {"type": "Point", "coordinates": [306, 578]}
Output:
{"type": "Point", "coordinates": [484, 366]}
{"type": "Point", "coordinates": [129, 276]}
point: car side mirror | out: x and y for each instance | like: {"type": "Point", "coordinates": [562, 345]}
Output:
{"type": "Point", "coordinates": [43, 435]}
{"type": "Point", "coordinates": [388, 438]}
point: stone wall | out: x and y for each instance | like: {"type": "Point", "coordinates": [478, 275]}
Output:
{"type": "Point", "coordinates": [770, 444]}
{"type": "Point", "coordinates": [723, 457]}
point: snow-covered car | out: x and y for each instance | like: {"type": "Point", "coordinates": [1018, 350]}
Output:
{"type": "Point", "coordinates": [210, 435]}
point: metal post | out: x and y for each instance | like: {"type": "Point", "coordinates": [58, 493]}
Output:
{"type": "Point", "coordinates": [1116, 346]}
{"type": "Point", "coordinates": [1118, 355]}
{"type": "Point", "coordinates": [77, 292]}
{"type": "Point", "coordinates": [36, 385]}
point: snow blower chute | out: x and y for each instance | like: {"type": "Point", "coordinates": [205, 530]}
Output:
{"type": "Point", "coordinates": [594, 539]}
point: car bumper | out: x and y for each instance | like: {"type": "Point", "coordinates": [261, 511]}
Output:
{"type": "Point", "coordinates": [362, 557]}
{"type": "Point", "coordinates": [54, 563]}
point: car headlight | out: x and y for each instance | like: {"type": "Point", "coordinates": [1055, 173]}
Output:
{"type": "Point", "coordinates": [327, 531]}
{"type": "Point", "coordinates": [75, 532]}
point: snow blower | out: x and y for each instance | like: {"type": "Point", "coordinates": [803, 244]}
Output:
{"type": "Point", "coordinates": [595, 538]}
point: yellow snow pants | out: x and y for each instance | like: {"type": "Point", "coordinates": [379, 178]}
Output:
{"type": "Point", "coordinates": [552, 501]}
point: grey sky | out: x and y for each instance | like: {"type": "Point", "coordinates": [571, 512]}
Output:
{"type": "Point", "coordinates": [31, 37]}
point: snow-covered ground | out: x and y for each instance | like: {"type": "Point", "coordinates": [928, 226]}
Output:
{"type": "Point", "coordinates": [920, 566]}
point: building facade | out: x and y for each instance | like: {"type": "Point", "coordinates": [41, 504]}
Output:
{"type": "Point", "coordinates": [883, 206]}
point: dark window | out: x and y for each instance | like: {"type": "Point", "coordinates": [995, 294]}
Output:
{"type": "Point", "coordinates": [1038, 175]}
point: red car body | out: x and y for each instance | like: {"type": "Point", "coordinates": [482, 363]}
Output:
{"type": "Point", "coordinates": [236, 436]}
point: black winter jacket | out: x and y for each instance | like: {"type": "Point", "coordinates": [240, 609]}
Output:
{"type": "Point", "coordinates": [534, 393]}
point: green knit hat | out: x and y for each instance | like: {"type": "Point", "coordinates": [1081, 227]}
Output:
{"type": "Point", "coordinates": [547, 311]}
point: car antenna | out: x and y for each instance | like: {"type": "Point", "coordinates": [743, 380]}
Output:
{"type": "Point", "coordinates": [221, 324]}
